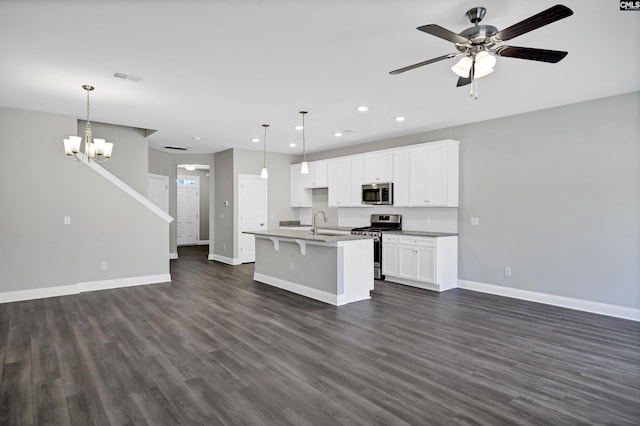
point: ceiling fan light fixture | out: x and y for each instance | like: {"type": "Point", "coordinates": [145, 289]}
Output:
{"type": "Point", "coordinates": [484, 64]}
{"type": "Point", "coordinates": [463, 67]}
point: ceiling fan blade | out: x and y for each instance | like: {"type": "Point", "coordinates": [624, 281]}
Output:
{"type": "Point", "coordinates": [444, 33]}
{"type": "Point", "coordinates": [531, 54]}
{"type": "Point", "coordinates": [463, 81]}
{"type": "Point", "coordinates": [421, 64]}
{"type": "Point", "coordinates": [541, 19]}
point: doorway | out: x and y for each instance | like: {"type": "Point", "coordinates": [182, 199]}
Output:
{"type": "Point", "coordinates": [252, 214]}
{"type": "Point", "coordinates": [188, 208]}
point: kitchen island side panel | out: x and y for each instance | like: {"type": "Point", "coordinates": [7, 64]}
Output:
{"type": "Point", "coordinates": [317, 269]}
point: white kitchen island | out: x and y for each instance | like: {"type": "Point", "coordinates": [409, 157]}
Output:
{"type": "Point", "coordinates": [333, 268]}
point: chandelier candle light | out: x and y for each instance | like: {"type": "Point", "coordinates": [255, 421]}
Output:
{"type": "Point", "coordinates": [304, 168]}
{"type": "Point", "coordinates": [97, 150]}
{"type": "Point", "coordinates": [264, 174]}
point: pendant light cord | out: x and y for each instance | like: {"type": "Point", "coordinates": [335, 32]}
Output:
{"type": "Point", "coordinates": [304, 145]}
{"type": "Point", "coordinates": [264, 151]}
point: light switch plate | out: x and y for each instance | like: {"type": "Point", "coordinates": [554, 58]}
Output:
{"type": "Point", "coordinates": [475, 221]}
{"type": "Point", "coordinates": [67, 220]}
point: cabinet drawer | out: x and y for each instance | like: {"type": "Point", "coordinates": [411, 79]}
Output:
{"type": "Point", "coordinates": [386, 238]}
{"type": "Point", "coordinates": [418, 241]}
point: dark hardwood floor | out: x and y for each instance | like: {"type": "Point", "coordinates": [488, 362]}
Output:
{"type": "Point", "coordinates": [215, 347]}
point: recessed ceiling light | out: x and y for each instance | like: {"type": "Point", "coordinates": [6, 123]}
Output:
{"type": "Point", "coordinates": [337, 134]}
{"type": "Point", "coordinates": [299, 127]}
{"type": "Point", "coordinates": [255, 140]}
{"type": "Point", "coordinates": [292, 145]}
{"type": "Point", "coordinates": [400, 118]}
{"type": "Point", "coordinates": [363, 108]}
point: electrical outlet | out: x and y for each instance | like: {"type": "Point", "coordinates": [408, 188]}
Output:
{"type": "Point", "coordinates": [475, 221]}
{"type": "Point", "coordinates": [103, 266]}
{"type": "Point", "coordinates": [507, 271]}
{"type": "Point", "coordinates": [291, 266]}
{"type": "Point", "coordinates": [224, 246]}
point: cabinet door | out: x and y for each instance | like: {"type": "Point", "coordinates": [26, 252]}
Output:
{"type": "Point", "coordinates": [339, 177]}
{"type": "Point", "coordinates": [357, 164]}
{"type": "Point", "coordinates": [378, 168]}
{"type": "Point", "coordinates": [437, 174]}
{"type": "Point", "coordinates": [407, 262]}
{"type": "Point", "coordinates": [390, 260]}
{"type": "Point", "coordinates": [320, 174]}
{"type": "Point", "coordinates": [426, 264]}
{"type": "Point", "coordinates": [419, 177]}
{"type": "Point", "coordinates": [298, 196]}
{"type": "Point", "coordinates": [401, 178]}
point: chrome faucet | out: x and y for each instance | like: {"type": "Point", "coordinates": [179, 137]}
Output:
{"type": "Point", "coordinates": [315, 227]}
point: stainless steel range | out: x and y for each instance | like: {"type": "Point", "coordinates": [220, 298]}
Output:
{"type": "Point", "coordinates": [379, 223]}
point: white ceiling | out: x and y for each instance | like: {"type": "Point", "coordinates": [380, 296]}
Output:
{"type": "Point", "coordinates": [219, 69]}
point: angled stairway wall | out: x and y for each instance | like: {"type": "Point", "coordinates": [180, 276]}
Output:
{"type": "Point", "coordinates": [40, 256]}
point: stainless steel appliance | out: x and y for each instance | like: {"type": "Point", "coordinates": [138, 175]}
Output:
{"type": "Point", "coordinates": [377, 193]}
{"type": "Point", "coordinates": [379, 224]}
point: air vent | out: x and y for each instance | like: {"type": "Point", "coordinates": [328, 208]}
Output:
{"type": "Point", "coordinates": [126, 77]}
{"type": "Point", "coordinates": [177, 148]}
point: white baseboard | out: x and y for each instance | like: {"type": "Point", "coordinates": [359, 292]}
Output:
{"type": "Point", "coordinates": [312, 293]}
{"type": "Point", "coordinates": [202, 243]}
{"type": "Point", "coordinates": [123, 282]}
{"type": "Point", "coordinates": [82, 287]}
{"type": "Point", "coordinates": [38, 293]}
{"type": "Point", "coordinates": [224, 259]}
{"type": "Point", "coordinates": [550, 299]}
{"type": "Point", "coordinates": [173, 255]}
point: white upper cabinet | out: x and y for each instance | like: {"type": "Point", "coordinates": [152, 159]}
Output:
{"type": "Point", "coordinates": [339, 171]}
{"type": "Point", "coordinates": [317, 177]}
{"type": "Point", "coordinates": [424, 175]}
{"type": "Point", "coordinates": [378, 167]}
{"type": "Point", "coordinates": [433, 175]}
{"type": "Point", "coordinates": [299, 196]}
{"type": "Point", "coordinates": [345, 181]}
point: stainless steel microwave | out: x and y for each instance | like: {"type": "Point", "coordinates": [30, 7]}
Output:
{"type": "Point", "coordinates": [377, 193]}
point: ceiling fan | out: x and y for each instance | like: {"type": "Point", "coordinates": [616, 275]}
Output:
{"type": "Point", "coordinates": [479, 45]}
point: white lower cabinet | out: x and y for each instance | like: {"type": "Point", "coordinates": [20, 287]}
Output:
{"type": "Point", "coordinates": [426, 262]}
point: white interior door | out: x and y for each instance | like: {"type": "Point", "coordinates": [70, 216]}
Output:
{"type": "Point", "coordinates": [158, 191]}
{"type": "Point", "coordinates": [252, 209]}
{"type": "Point", "coordinates": [188, 222]}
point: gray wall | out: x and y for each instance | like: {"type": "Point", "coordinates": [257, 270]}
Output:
{"type": "Point", "coordinates": [130, 156]}
{"type": "Point", "coordinates": [557, 192]}
{"type": "Point", "coordinates": [223, 216]}
{"type": "Point", "coordinates": [40, 186]}
{"type": "Point", "coordinates": [231, 163]}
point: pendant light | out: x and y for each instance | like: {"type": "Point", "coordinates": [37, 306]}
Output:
{"type": "Point", "coordinates": [264, 174]}
{"type": "Point", "coordinates": [304, 168]}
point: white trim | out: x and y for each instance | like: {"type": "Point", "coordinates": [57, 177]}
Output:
{"type": "Point", "coordinates": [173, 255]}
{"type": "Point", "coordinates": [224, 259]}
{"type": "Point", "coordinates": [38, 293]}
{"type": "Point", "coordinates": [550, 299]}
{"type": "Point", "coordinates": [123, 282]}
{"type": "Point", "coordinates": [414, 283]}
{"type": "Point", "coordinates": [82, 287]}
{"type": "Point", "coordinates": [302, 290]}
{"type": "Point", "coordinates": [127, 189]}
{"type": "Point", "coordinates": [202, 242]}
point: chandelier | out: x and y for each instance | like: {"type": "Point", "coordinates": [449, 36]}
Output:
{"type": "Point", "coordinates": [97, 150]}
